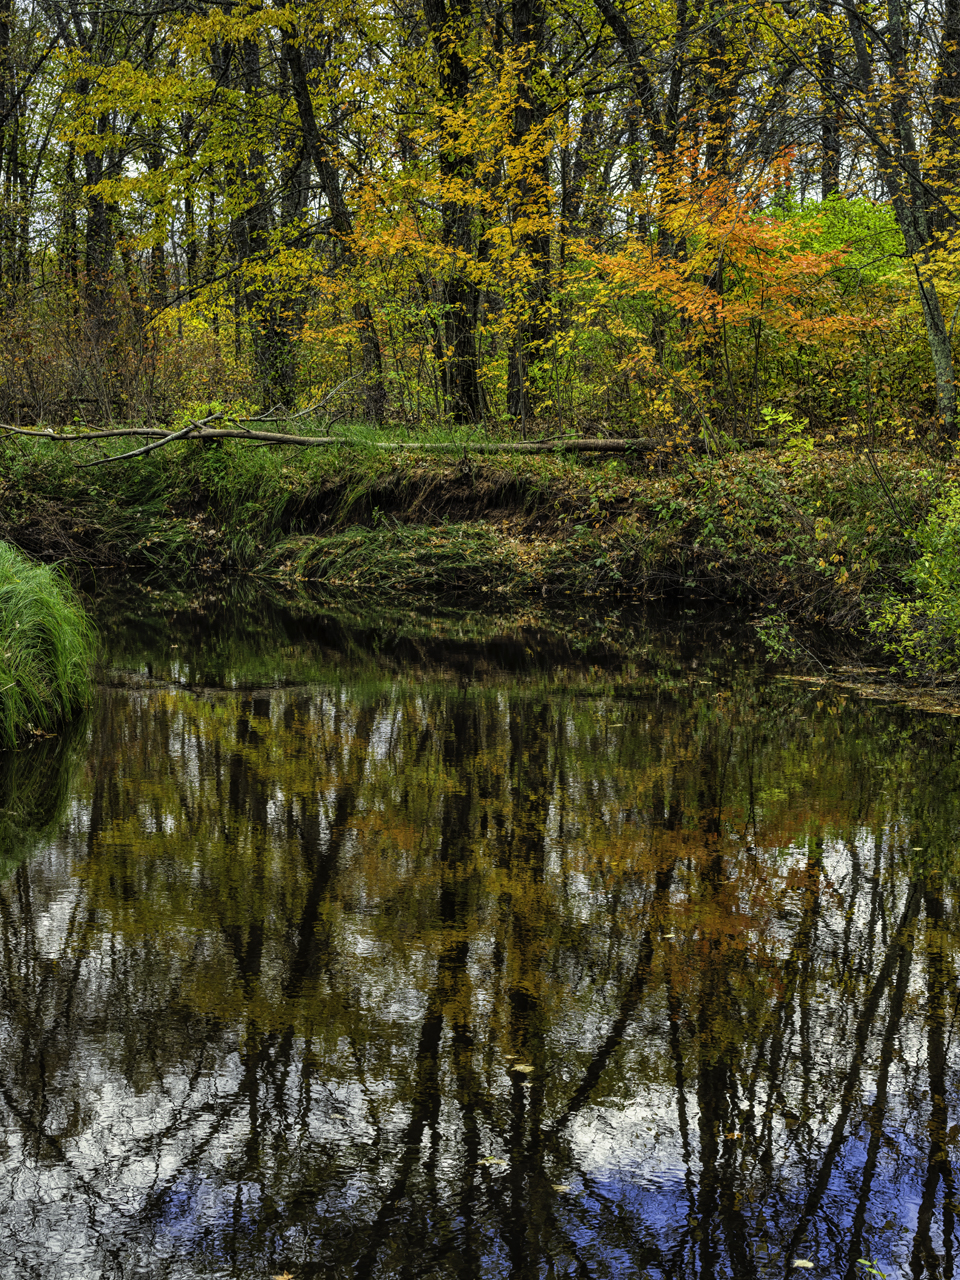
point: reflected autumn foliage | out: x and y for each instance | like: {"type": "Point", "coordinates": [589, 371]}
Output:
{"type": "Point", "coordinates": [580, 972]}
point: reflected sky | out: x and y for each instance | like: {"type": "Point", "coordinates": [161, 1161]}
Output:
{"type": "Point", "coordinates": [601, 966]}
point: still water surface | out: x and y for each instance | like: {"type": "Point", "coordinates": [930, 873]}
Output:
{"type": "Point", "coordinates": [341, 950]}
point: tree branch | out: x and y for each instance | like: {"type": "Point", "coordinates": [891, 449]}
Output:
{"type": "Point", "coordinates": [198, 431]}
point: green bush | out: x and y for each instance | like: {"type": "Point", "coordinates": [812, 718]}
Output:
{"type": "Point", "coordinates": [923, 632]}
{"type": "Point", "coordinates": [46, 648]}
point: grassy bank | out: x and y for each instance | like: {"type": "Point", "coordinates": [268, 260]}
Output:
{"type": "Point", "coordinates": [46, 649]}
{"type": "Point", "coordinates": [809, 538]}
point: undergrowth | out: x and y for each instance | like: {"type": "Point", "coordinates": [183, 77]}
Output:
{"type": "Point", "coordinates": [810, 538]}
{"type": "Point", "coordinates": [920, 627]}
{"type": "Point", "coordinates": [46, 649]}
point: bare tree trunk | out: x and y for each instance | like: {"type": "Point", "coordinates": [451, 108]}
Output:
{"type": "Point", "coordinates": [891, 135]}
{"type": "Point", "coordinates": [524, 398]}
{"type": "Point", "coordinates": [448, 27]}
{"type": "Point", "coordinates": [829, 115]}
{"type": "Point", "coordinates": [99, 244]}
{"type": "Point", "coordinates": [323, 151]}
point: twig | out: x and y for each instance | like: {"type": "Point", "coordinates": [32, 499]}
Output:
{"type": "Point", "coordinates": [891, 500]}
{"type": "Point", "coordinates": [305, 413]}
{"type": "Point", "coordinates": [333, 391]}
{"type": "Point", "coordinates": [147, 448]}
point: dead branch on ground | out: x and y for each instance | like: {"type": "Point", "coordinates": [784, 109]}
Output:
{"type": "Point", "coordinates": [199, 430]}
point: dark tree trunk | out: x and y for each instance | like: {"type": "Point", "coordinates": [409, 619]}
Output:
{"type": "Point", "coordinates": [157, 291]}
{"type": "Point", "coordinates": [323, 151]}
{"type": "Point", "coordinates": [524, 396]}
{"type": "Point", "coordinates": [829, 115]}
{"type": "Point", "coordinates": [945, 131]}
{"type": "Point", "coordinates": [270, 334]}
{"type": "Point", "coordinates": [897, 157]}
{"type": "Point", "coordinates": [99, 246]}
{"type": "Point", "coordinates": [448, 27]}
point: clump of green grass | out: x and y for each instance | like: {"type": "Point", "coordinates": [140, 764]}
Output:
{"type": "Point", "coordinates": [393, 559]}
{"type": "Point", "coordinates": [46, 648]}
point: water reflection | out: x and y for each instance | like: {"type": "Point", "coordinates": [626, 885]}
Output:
{"type": "Point", "coordinates": [578, 972]}
{"type": "Point", "coordinates": [36, 784]}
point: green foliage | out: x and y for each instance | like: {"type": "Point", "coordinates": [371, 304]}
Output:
{"type": "Point", "coordinates": [46, 649]}
{"type": "Point", "coordinates": [812, 533]}
{"type": "Point", "coordinates": [922, 631]}
{"type": "Point", "coordinates": [776, 636]}
{"type": "Point", "coordinates": [866, 233]}
{"type": "Point", "coordinates": [781, 424]}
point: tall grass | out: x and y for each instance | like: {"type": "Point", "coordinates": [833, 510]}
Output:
{"type": "Point", "coordinates": [46, 648]}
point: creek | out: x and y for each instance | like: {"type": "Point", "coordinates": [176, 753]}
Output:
{"type": "Point", "coordinates": [417, 947]}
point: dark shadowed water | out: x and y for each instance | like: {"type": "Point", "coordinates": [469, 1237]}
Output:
{"type": "Point", "coordinates": [408, 949]}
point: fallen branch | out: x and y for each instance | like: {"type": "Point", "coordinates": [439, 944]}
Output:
{"type": "Point", "coordinates": [147, 448]}
{"type": "Point", "coordinates": [412, 446]}
{"type": "Point", "coordinates": [276, 414]}
{"type": "Point", "coordinates": [198, 431]}
{"type": "Point", "coordinates": [49, 434]}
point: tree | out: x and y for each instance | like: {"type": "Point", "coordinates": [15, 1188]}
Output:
{"type": "Point", "coordinates": [876, 79]}
{"type": "Point", "coordinates": [451, 29]}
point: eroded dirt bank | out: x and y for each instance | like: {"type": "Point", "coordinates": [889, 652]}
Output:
{"type": "Point", "coordinates": [805, 539]}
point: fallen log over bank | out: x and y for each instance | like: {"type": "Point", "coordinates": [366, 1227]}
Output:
{"type": "Point", "coordinates": [199, 431]}
{"type": "Point", "coordinates": [196, 431]}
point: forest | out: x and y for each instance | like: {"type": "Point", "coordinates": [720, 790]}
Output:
{"type": "Point", "coordinates": [676, 218]}
{"type": "Point", "coordinates": [386, 894]}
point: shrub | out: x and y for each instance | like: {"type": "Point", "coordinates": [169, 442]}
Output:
{"type": "Point", "coordinates": [923, 632]}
